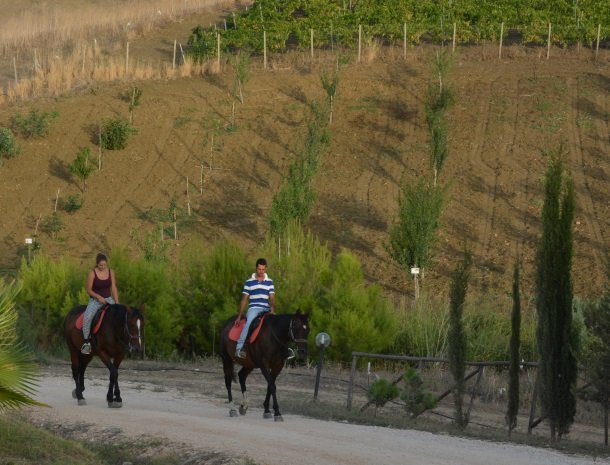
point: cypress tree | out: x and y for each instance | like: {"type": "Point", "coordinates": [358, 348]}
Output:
{"type": "Point", "coordinates": [554, 295]}
{"type": "Point", "coordinates": [457, 336]}
{"type": "Point", "coordinates": [515, 343]}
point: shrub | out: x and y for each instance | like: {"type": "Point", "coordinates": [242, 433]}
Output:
{"type": "Point", "coordinates": [73, 203]}
{"type": "Point", "coordinates": [8, 145]}
{"type": "Point", "coordinates": [381, 392]}
{"type": "Point", "coordinates": [115, 133]}
{"type": "Point", "coordinates": [417, 399]}
{"type": "Point", "coordinates": [82, 167]}
{"type": "Point", "coordinates": [35, 125]}
{"type": "Point", "coordinates": [52, 224]}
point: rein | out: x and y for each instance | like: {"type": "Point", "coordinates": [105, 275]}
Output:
{"type": "Point", "coordinates": [130, 336]}
{"type": "Point", "coordinates": [290, 333]}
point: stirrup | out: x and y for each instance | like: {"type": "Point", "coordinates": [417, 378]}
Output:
{"type": "Point", "coordinates": [240, 353]}
{"type": "Point", "coordinates": [86, 348]}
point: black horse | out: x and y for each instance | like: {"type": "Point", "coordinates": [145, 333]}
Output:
{"type": "Point", "coordinates": [268, 352]}
{"type": "Point", "coordinates": [121, 330]}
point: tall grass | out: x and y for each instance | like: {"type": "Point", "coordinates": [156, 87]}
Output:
{"type": "Point", "coordinates": [55, 27]}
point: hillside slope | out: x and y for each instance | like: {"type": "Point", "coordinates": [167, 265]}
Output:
{"type": "Point", "coordinates": [507, 113]}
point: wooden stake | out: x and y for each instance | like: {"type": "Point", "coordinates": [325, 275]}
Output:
{"type": "Point", "coordinates": [311, 42]}
{"type": "Point", "coordinates": [332, 40]}
{"type": "Point", "coordinates": [15, 68]}
{"type": "Point", "coordinates": [218, 51]}
{"type": "Point", "coordinates": [234, 21]}
{"type": "Point", "coordinates": [264, 49]}
{"type": "Point", "coordinates": [37, 223]}
{"type": "Point", "coordinates": [127, 58]}
{"type": "Point", "coordinates": [56, 199]}
{"type": "Point", "coordinates": [188, 198]}
{"type": "Point", "coordinates": [162, 235]}
{"type": "Point", "coordinates": [225, 24]}
{"type": "Point", "coordinates": [201, 178]}
{"type": "Point", "coordinates": [174, 59]}
{"type": "Point", "coordinates": [359, 40]}
{"type": "Point", "coordinates": [548, 47]}
{"type": "Point", "coordinates": [99, 156]}
{"type": "Point", "coordinates": [35, 61]}
{"type": "Point", "coordinates": [454, 31]}
{"type": "Point", "coordinates": [84, 57]}
{"type": "Point", "coordinates": [501, 40]}
{"type": "Point", "coordinates": [599, 30]}
{"type": "Point", "coordinates": [404, 41]}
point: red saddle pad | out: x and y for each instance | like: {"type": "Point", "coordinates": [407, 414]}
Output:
{"type": "Point", "coordinates": [81, 317]}
{"type": "Point", "coordinates": [235, 331]}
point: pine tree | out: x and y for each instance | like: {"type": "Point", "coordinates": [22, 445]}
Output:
{"type": "Point", "coordinates": [515, 343]}
{"type": "Point", "coordinates": [554, 295]}
{"type": "Point", "coordinates": [457, 336]}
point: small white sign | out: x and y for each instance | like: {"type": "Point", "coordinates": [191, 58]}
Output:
{"type": "Point", "coordinates": [414, 270]}
{"type": "Point", "coordinates": [29, 240]}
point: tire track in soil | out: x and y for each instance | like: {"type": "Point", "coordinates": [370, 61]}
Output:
{"type": "Point", "coordinates": [602, 143]}
{"type": "Point", "coordinates": [578, 171]}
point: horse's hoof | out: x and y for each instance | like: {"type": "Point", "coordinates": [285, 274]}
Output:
{"type": "Point", "coordinates": [267, 415]}
{"type": "Point", "coordinates": [82, 402]}
{"type": "Point", "coordinates": [232, 412]}
{"type": "Point", "coordinates": [115, 404]}
{"type": "Point", "coordinates": [243, 410]}
{"type": "Point", "coordinates": [278, 418]}
{"type": "Point", "coordinates": [73, 393]}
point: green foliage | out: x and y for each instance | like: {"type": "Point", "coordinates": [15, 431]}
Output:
{"type": "Point", "coordinates": [597, 352]}
{"type": "Point", "coordinates": [8, 144]}
{"type": "Point", "coordinates": [201, 44]}
{"type": "Point", "coordinates": [115, 133]}
{"type": "Point", "coordinates": [153, 248]}
{"type": "Point", "coordinates": [241, 70]}
{"type": "Point", "coordinates": [35, 125]}
{"type": "Point", "coordinates": [73, 203]}
{"type": "Point", "coordinates": [52, 224]}
{"type": "Point", "coordinates": [417, 399]}
{"type": "Point", "coordinates": [132, 96]}
{"type": "Point", "coordinates": [50, 289]}
{"type": "Point", "coordinates": [554, 295]}
{"type": "Point", "coordinates": [81, 166]}
{"type": "Point", "coordinates": [457, 336]}
{"type": "Point", "coordinates": [413, 235]}
{"type": "Point", "coordinates": [296, 196]}
{"type": "Point", "coordinates": [330, 83]}
{"type": "Point", "coordinates": [149, 284]}
{"type": "Point", "coordinates": [381, 392]}
{"type": "Point", "coordinates": [18, 372]}
{"type": "Point", "coordinates": [515, 355]}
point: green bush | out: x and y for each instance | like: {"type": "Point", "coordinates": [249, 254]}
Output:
{"type": "Point", "coordinates": [52, 224]}
{"type": "Point", "coordinates": [115, 133]}
{"type": "Point", "coordinates": [381, 392]}
{"type": "Point", "coordinates": [73, 203]}
{"type": "Point", "coordinates": [36, 124]}
{"type": "Point", "coordinates": [8, 145]}
{"type": "Point", "coordinates": [417, 399]}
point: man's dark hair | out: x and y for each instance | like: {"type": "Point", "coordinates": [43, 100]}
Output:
{"type": "Point", "coordinates": [100, 258]}
{"type": "Point", "coordinates": [261, 261]}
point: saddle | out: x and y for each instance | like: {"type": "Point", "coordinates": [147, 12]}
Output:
{"type": "Point", "coordinates": [96, 323]}
{"type": "Point", "coordinates": [255, 328]}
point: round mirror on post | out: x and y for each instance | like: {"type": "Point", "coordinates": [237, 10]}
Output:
{"type": "Point", "coordinates": [322, 342]}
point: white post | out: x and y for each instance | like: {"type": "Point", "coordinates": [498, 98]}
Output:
{"type": "Point", "coordinates": [84, 57]}
{"type": "Point", "coordinates": [311, 42]}
{"type": "Point", "coordinates": [454, 31]}
{"type": "Point", "coordinates": [548, 47]}
{"type": "Point", "coordinates": [15, 68]}
{"type": "Point", "coordinates": [404, 41]}
{"type": "Point", "coordinates": [56, 199]}
{"type": "Point", "coordinates": [218, 51]}
{"type": "Point", "coordinates": [501, 39]}
{"type": "Point", "coordinates": [174, 58]}
{"type": "Point", "coordinates": [264, 49]}
{"type": "Point", "coordinates": [599, 30]}
{"type": "Point", "coordinates": [188, 198]}
{"type": "Point", "coordinates": [359, 42]}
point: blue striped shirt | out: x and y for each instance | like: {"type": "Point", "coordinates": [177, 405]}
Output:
{"type": "Point", "coordinates": [258, 292]}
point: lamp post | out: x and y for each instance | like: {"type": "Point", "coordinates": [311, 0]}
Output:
{"type": "Point", "coordinates": [322, 342]}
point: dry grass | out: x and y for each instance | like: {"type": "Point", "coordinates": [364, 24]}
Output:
{"type": "Point", "coordinates": [55, 27]}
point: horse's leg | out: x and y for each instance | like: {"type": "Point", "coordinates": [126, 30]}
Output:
{"type": "Point", "coordinates": [227, 367]}
{"type": "Point", "coordinates": [242, 375]}
{"type": "Point", "coordinates": [114, 373]}
{"type": "Point", "coordinates": [270, 376]}
{"type": "Point", "coordinates": [77, 361]}
{"type": "Point", "coordinates": [118, 402]}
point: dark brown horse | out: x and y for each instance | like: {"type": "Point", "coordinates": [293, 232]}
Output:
{"type": "Point", "coordinates": [121, 330]}
{"type": "Point", "coordinates": [268, 352]}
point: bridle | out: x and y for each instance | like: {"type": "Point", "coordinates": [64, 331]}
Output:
{"type": "Point", "coordinates": [291, 333]}
{"type": "Point", "coordinates": [130, 336]}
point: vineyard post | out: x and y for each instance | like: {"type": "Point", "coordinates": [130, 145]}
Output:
{"type": "Point", "coordinates": [548, 47]}
{"type": "Point", "coordinates": [56, 199]}
{"type": "Point", "coordinates": [599, 30]}
{"type": "Point", "coordinates": [359, 40]}
{"type": "Point", "coordinates": [35, 61]}
{"type": "Point", "coordinates": [454, 30]}
{"type": "Point", "coordinates": [234, 21]}
{"type": "Point", "coordinates": [404, 41]}
{"type": "Point", "coordinates": [188, 198]}
{"type": "Point", "coordinates": [162, 235]}
{"type": "Point", "coordinates": [311, 42]}
{"type": "Point", "coordinates": [218, 51]}
{"type": "Point", "coordinates": [126, 58]}
{"type": "Point", "coordinates": [182, 53]}
{"type": "Point", "coordinates": [174, 58]}
{"type": "Point", "coordinates": [501, 39]}
{"type": "Point", "coordinates": [84, 56]}
{"type": "Point", "coordinates": [15, 68]}
{"type": "Point", "coordinates": [332, 40]}
{"type": "Point", "coordinates": [264, 49]}
{"type": "Point", "coordinates": [99, 156]}
{"type": "Point", "coordinates": [225, 24]}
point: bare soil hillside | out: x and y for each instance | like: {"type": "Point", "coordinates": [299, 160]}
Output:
{"type": "Point", "coordinates": [507, 113]}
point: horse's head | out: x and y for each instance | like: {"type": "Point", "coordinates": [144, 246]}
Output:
{"type": "Point", "coordinates": [134, 327]}
{"type": "Point", "coordinates": [299, 332]}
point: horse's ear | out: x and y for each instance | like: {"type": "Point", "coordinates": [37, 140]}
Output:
{"type": "Point", "coordinates": [142, 308]}
{"type": "Point", "coordinates": [298, 312]}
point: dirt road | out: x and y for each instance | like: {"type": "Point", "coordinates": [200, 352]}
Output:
{"type": "Point", "coordinates": [199, 421]}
